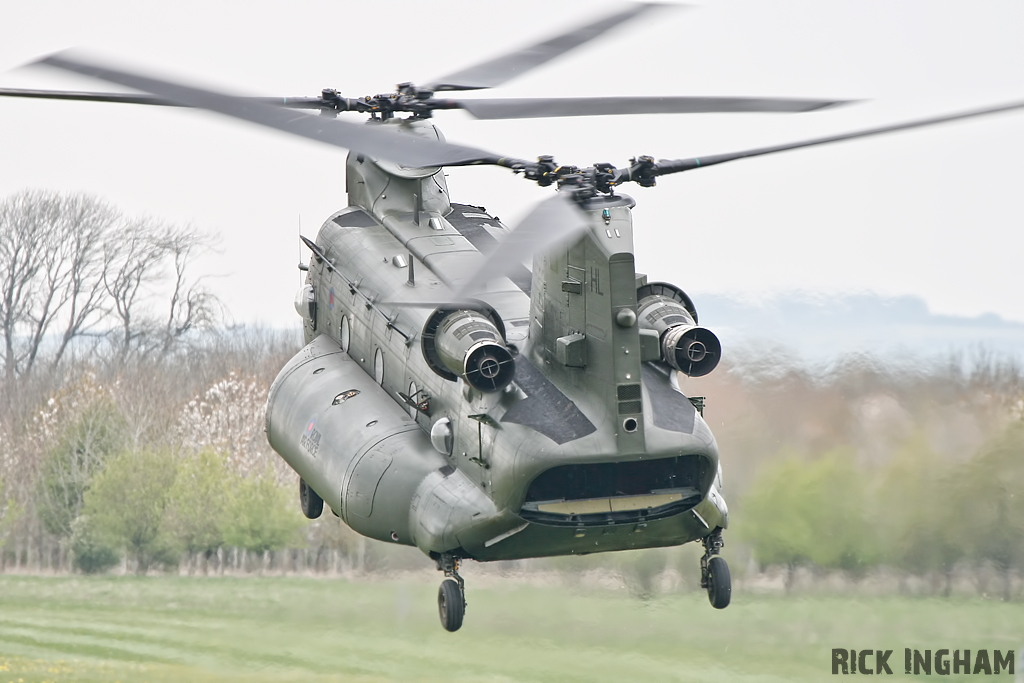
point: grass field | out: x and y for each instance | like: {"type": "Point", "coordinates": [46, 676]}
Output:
{"type": "Point", "coordinates": [297, 629]}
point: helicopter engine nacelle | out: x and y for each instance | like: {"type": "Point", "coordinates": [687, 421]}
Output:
{"type": "Point", "coordinates": [469, 344]}
{"type": "Point", "coordinates": [687, 347]}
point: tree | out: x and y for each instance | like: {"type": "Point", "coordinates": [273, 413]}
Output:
{"type": "Point", "coordinates": [192, 305]}
{"type": "Point", "coordinates": [10, 512]}
{"type": "Point", "coordinates": [136, 264]}
{"type": "Point", "coordinates": [198, 502]}
{"type": "Point", "coordinates": [776, 521]}
{"type": "Point", "coordinates": [261, 516]}
{"type": "Point", "coordinates": [90, 554]}
{"type": "Point", "coordinates": [127, 501]}
{"type": "Point", "coordinates": [918, 533]}
{"type": "Point", "coordinates": [798, 512]}
{"type": "Point", "coordinates": [835, 498]}
{"type": "Point", "coordinates": [52, 250]}
{"type": "Point", "coordinates": [988, 498]}
{"type": "Point", "coordinates": [229, 418]}
{"type": "Point", "coordinates": [68, 467]}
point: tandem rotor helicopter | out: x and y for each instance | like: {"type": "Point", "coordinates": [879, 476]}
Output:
{"type": "Point", "coordinates": [480, 392]}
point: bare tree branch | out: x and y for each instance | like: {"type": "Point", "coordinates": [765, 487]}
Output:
{"type": "Point", "coordinates": [192, 305]}
{"type": "Point", "coordinates": [133, 260]}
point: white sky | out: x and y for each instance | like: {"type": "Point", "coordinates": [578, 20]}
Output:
{"type": "Point", "coordinates": [935, 213]}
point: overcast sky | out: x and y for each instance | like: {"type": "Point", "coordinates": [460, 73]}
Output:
{"type": "Point", "coordinates": [934, 213]}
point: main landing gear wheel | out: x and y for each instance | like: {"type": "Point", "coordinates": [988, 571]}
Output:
{"type": "Point", "coordinates": [451, 597]}
{"type": "Point", "coordinates": [450, 605]}
{"type": "Point", "coordinates": [714, 571]}
{"type": "Point", "coordinates": [719, 583]}
{"type": "Point", "coordinates": [312, 503]}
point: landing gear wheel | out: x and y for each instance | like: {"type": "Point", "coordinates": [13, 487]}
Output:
{"type": "Point", "coordinates": [719, 583]}
{"type": "Point", "coordinates": [450, 605]}
{"type": "Point", "coordinates": [451, 598]}
{"type": "Point", "coordinates": [312, 503]}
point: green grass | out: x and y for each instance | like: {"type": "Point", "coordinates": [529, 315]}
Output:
{"type": "Point", "coordinates": [297, 629]}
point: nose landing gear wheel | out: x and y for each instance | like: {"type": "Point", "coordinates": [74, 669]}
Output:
{"type": "Point", "coordinates": [450, 605]}
{"type": "Point", "coordinates": [714, 572]}
{"type": "Point", "coordinates": [719, 583]}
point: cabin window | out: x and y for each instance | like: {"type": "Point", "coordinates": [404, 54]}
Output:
{"type": "Point", "coordinates": [378, 367]}
{"type": "Point", "coordinates": [344, 334]}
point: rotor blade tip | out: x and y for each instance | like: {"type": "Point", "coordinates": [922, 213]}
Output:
{"type": "Point", "coordinates": [44, 60]}
{"type": "Point", "coordinates": [664, 5]}
{"type": "Point", "coordinates": [65, 59]}
{"type": "Point", "coordinates": [841, 103]}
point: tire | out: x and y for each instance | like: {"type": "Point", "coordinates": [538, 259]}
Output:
{"type": "Point", "coordinates": [450, 605]}
{"type": "Point", "coordinates": [312, 504]}
{"type": "Point", "coordinates": [719, 583]}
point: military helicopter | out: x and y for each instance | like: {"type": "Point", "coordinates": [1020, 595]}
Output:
{"type": "Point", "coordinates": [451, 397]}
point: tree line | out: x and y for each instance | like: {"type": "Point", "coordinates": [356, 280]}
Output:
{"type": "Point", "coordinates": [914, 467]}
{"type": "Point", "coordinates": [918, 514]}
{"type": "Point", "coordinates": [131, 434]}
{"type": "Point", "coordinates": [126, 436]}
{"type": "Point", "coordinates": [75, 270]}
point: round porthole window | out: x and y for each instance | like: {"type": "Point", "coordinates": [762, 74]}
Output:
{"type": "Point", "coordinates": [378, 367]}
{"type": "Point", "coordinates": [441, 436]}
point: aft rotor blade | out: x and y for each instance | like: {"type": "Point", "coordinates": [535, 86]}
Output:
{"type": "Point", "coordinates": [525, 108]}
{"type": "Point", "coordinates": [131, 98]}
{"type": "Point", "coordinates": [665, 167]}
{"type": "Point", "coordinates": [501, 69]}
{"type": "Point", "coordinates": [553, 221]}
{"type": "Point", "coordinates": [378, 142]}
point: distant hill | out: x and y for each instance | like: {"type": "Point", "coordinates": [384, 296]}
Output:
{"type": "Point", "coordinates": [815, 328]}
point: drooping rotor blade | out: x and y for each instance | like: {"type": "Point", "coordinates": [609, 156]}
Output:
{"type": "Point", "coordinates": [664, 167]}
{"type": "Point", "coordinates": [406, 150]}
{"type": "Point", "coordinates": [554, 220]}
{"type": "Point", "coordinates": [500, 69]}
{"type": "Point", "coordinates": [539, 107]}
{"type": "Point", "coordinates": [131, 98]}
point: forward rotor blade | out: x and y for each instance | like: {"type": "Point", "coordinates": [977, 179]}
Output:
{"type": "Point", "coordinates": [526, 108]}
{"type": "Point", "coordinates": [378, 142]}
{"type": "Point", "coordinates": [500, 69]}
{"type": "Point", "coordinates": [125, 98]}
{"type": "Point", "coordinates": [554, 220]}
{"type": "Point", "coordinates": [665, 167]}
{"type": "Point", "coordinates": [130, 98]}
